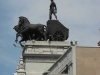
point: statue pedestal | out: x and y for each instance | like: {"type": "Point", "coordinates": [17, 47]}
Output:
{"type": "Point", "coordinates": [39, 56]}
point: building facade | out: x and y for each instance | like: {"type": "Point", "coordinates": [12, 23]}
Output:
{"type": "Point", "coordinates": [56, 58]}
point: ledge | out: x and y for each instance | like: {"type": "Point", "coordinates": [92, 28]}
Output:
{"type": "Point", "coordinates": [47, 43]}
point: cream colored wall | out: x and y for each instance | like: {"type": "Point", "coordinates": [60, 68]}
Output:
{"type": "Point", "coordinates": [88, 60]}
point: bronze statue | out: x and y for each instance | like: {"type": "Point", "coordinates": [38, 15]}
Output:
{"type": "Point", "coordinates": [52, 10]}
{"type": "Point", "coordinates": [27, 30]}
{"type": "Point", "coordinates": [54, 31]}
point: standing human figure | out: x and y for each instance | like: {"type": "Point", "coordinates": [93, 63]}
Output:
{"type": "Point", "coordinates": [52, 10]}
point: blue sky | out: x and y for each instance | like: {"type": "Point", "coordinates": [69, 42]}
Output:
{"type": "Point", "coordinates": [82, 17]}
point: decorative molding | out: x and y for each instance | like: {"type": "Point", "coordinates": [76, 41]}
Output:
{"type": "Point", "coordinates": [21, 74]}
{"type": "Point", "coordinates": [41, 59]}
{"type": "Point", "coordinates": [44, 51]}
{"type": "Point", "coordinates": [21, 66]}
